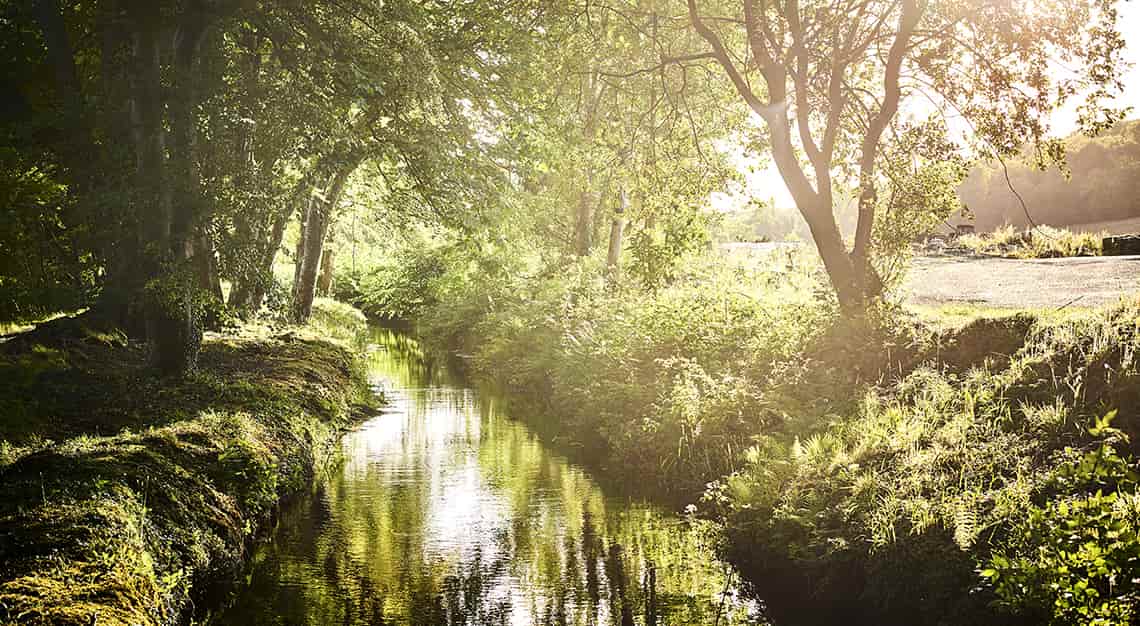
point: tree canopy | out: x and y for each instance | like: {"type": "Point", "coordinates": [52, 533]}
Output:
{"type": "Point", "coordinates": [162, 160]}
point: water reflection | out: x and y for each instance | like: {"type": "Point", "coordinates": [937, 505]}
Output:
{"type": "Point", "coordinates": [447, 513]}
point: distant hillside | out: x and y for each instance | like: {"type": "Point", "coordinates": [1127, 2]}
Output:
{"type": "Point", "coordinates": [1105, 185]}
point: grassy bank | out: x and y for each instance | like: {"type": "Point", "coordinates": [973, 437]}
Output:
{"type": "Point", "coordinates": [122, 494]}
{"type": "Point", "coordinates": [894, 468]}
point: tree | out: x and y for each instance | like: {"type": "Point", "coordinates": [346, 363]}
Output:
{"type": "Point", "coordinates": [827, 78]}
{"type": "Point", "coordinates": [172, 142]}
{"type": "Point", "coordinates": [592, 124]}
{"type": "Point", "coordinates": [150, 271]}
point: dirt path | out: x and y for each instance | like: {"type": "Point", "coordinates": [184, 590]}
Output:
{"type": "Point", "coordinates": [1018, 283]}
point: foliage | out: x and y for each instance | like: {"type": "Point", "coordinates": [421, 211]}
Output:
{"type": "Point", "coordinates": [876, 460]}
{"type": "Point", "coordinates": [937, 467]}
{"type": "Point", "coordinates": [664, 384]}
{"type": "Point", "coordinates": [923, 169]}
{"type": "Point", "coordinates": [1074, 558]}
{"type": "Point", "coordinates": [399, 288]}
{"type": "Point", "coordinates": [656, 255]}
{"type": "Point", "coordinates": [44, 265]}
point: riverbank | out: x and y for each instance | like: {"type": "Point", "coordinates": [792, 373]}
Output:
{"type": "Point", "coordinates": [890, 469]}
{"type": "Point", "coordinates": [122, 494]}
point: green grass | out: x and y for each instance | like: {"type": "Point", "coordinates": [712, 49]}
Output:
{"type": "Point", "coordinates": [121, 493]}
{"type": "Point", "coordinates": [1036, 243]}
{"type": "Point", "coordinates": [337, 320]}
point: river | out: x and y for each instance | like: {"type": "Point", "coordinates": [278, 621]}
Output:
{"type": "Point", "coordinates": [445, 511]}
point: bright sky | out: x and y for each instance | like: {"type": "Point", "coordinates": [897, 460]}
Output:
{"type": "Point", "coordinates": [767, 184]}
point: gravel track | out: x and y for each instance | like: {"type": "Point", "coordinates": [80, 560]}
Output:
{"type": "Point", "coordinates": [1022, 283]}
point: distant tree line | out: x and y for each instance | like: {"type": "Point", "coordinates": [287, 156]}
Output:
{"type": "Point", "coordinates": [1102, 183]}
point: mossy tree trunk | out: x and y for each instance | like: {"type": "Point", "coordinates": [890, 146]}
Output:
{"type": "Point", "coordinates": [588, 196]}
{"type": "Point", "coordinates": [617, 228]}
{"type": "Point", "coordinates": [168, 184]}
{"type": "Point", "coordinates": [584, 218]}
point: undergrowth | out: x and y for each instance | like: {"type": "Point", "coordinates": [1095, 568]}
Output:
{"type": "Point", "coordinates": [865, 469]}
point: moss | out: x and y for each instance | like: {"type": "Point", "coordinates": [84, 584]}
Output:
{"type": "Point", "coordinates": [122, 493]}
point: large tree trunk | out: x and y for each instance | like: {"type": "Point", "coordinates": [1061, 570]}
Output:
{"type": "Point", "coordinates": [206, 266]}
{"type": "Point", "coordinates": [268, 256]}
{"type": "Point", "coordinates": [316, 228]}
{"type": "Point", "coordinates": [87, 162]}
{"type": "Point", "coordinates": [118, 304]}
{"type": "Point", "coordinates": [868, 280]}
{"type": "Point", "coordinates": [829, 242]}
{"type": "Point", "coordinates": [588, 198]}
{"type": "Point", "coordinates": [61, 58]}
{"type": "Point", "coordinates": [151, 199]}
{"type": "Point", "coordinates": [312, 204]}
{"type": "Point", "coordinates": [304, 287]}
{"type": "Point", "coordinates": [816, 209]}
{"type": "Point", "coordinates": [172, 187]}
{"type": "Point", "coordinates": [246, 175]}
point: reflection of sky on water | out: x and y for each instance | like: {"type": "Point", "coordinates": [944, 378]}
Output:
{"type": "Point", "coordinates": [446, 512]}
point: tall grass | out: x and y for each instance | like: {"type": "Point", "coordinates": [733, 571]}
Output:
{"type": "Point", "coordinates": [1036, 243]}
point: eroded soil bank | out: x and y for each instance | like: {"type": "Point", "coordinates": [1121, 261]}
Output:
{"type": "Point", "coordinates": [123, 494]}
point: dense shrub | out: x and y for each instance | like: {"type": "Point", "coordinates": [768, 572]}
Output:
{"type": "Point", "coordinates": [1074, 558]}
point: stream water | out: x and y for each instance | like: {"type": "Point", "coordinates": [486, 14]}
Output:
{"type": "Point", "coordinates": [445, 511]}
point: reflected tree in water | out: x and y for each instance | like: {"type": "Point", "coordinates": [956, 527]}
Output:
{"type": "Point", "coordinates": [445, 512]}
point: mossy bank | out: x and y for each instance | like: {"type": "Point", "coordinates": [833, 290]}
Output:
{"type": "Point", "coordinates": [122, 495]}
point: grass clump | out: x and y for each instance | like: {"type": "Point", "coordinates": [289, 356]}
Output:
{"type": "Point", "coordinates": [1040, 242]}
{"type": "Point", "coordinates": [122, 495]}
{"type": "Point", "coordinates": [337, 320]}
